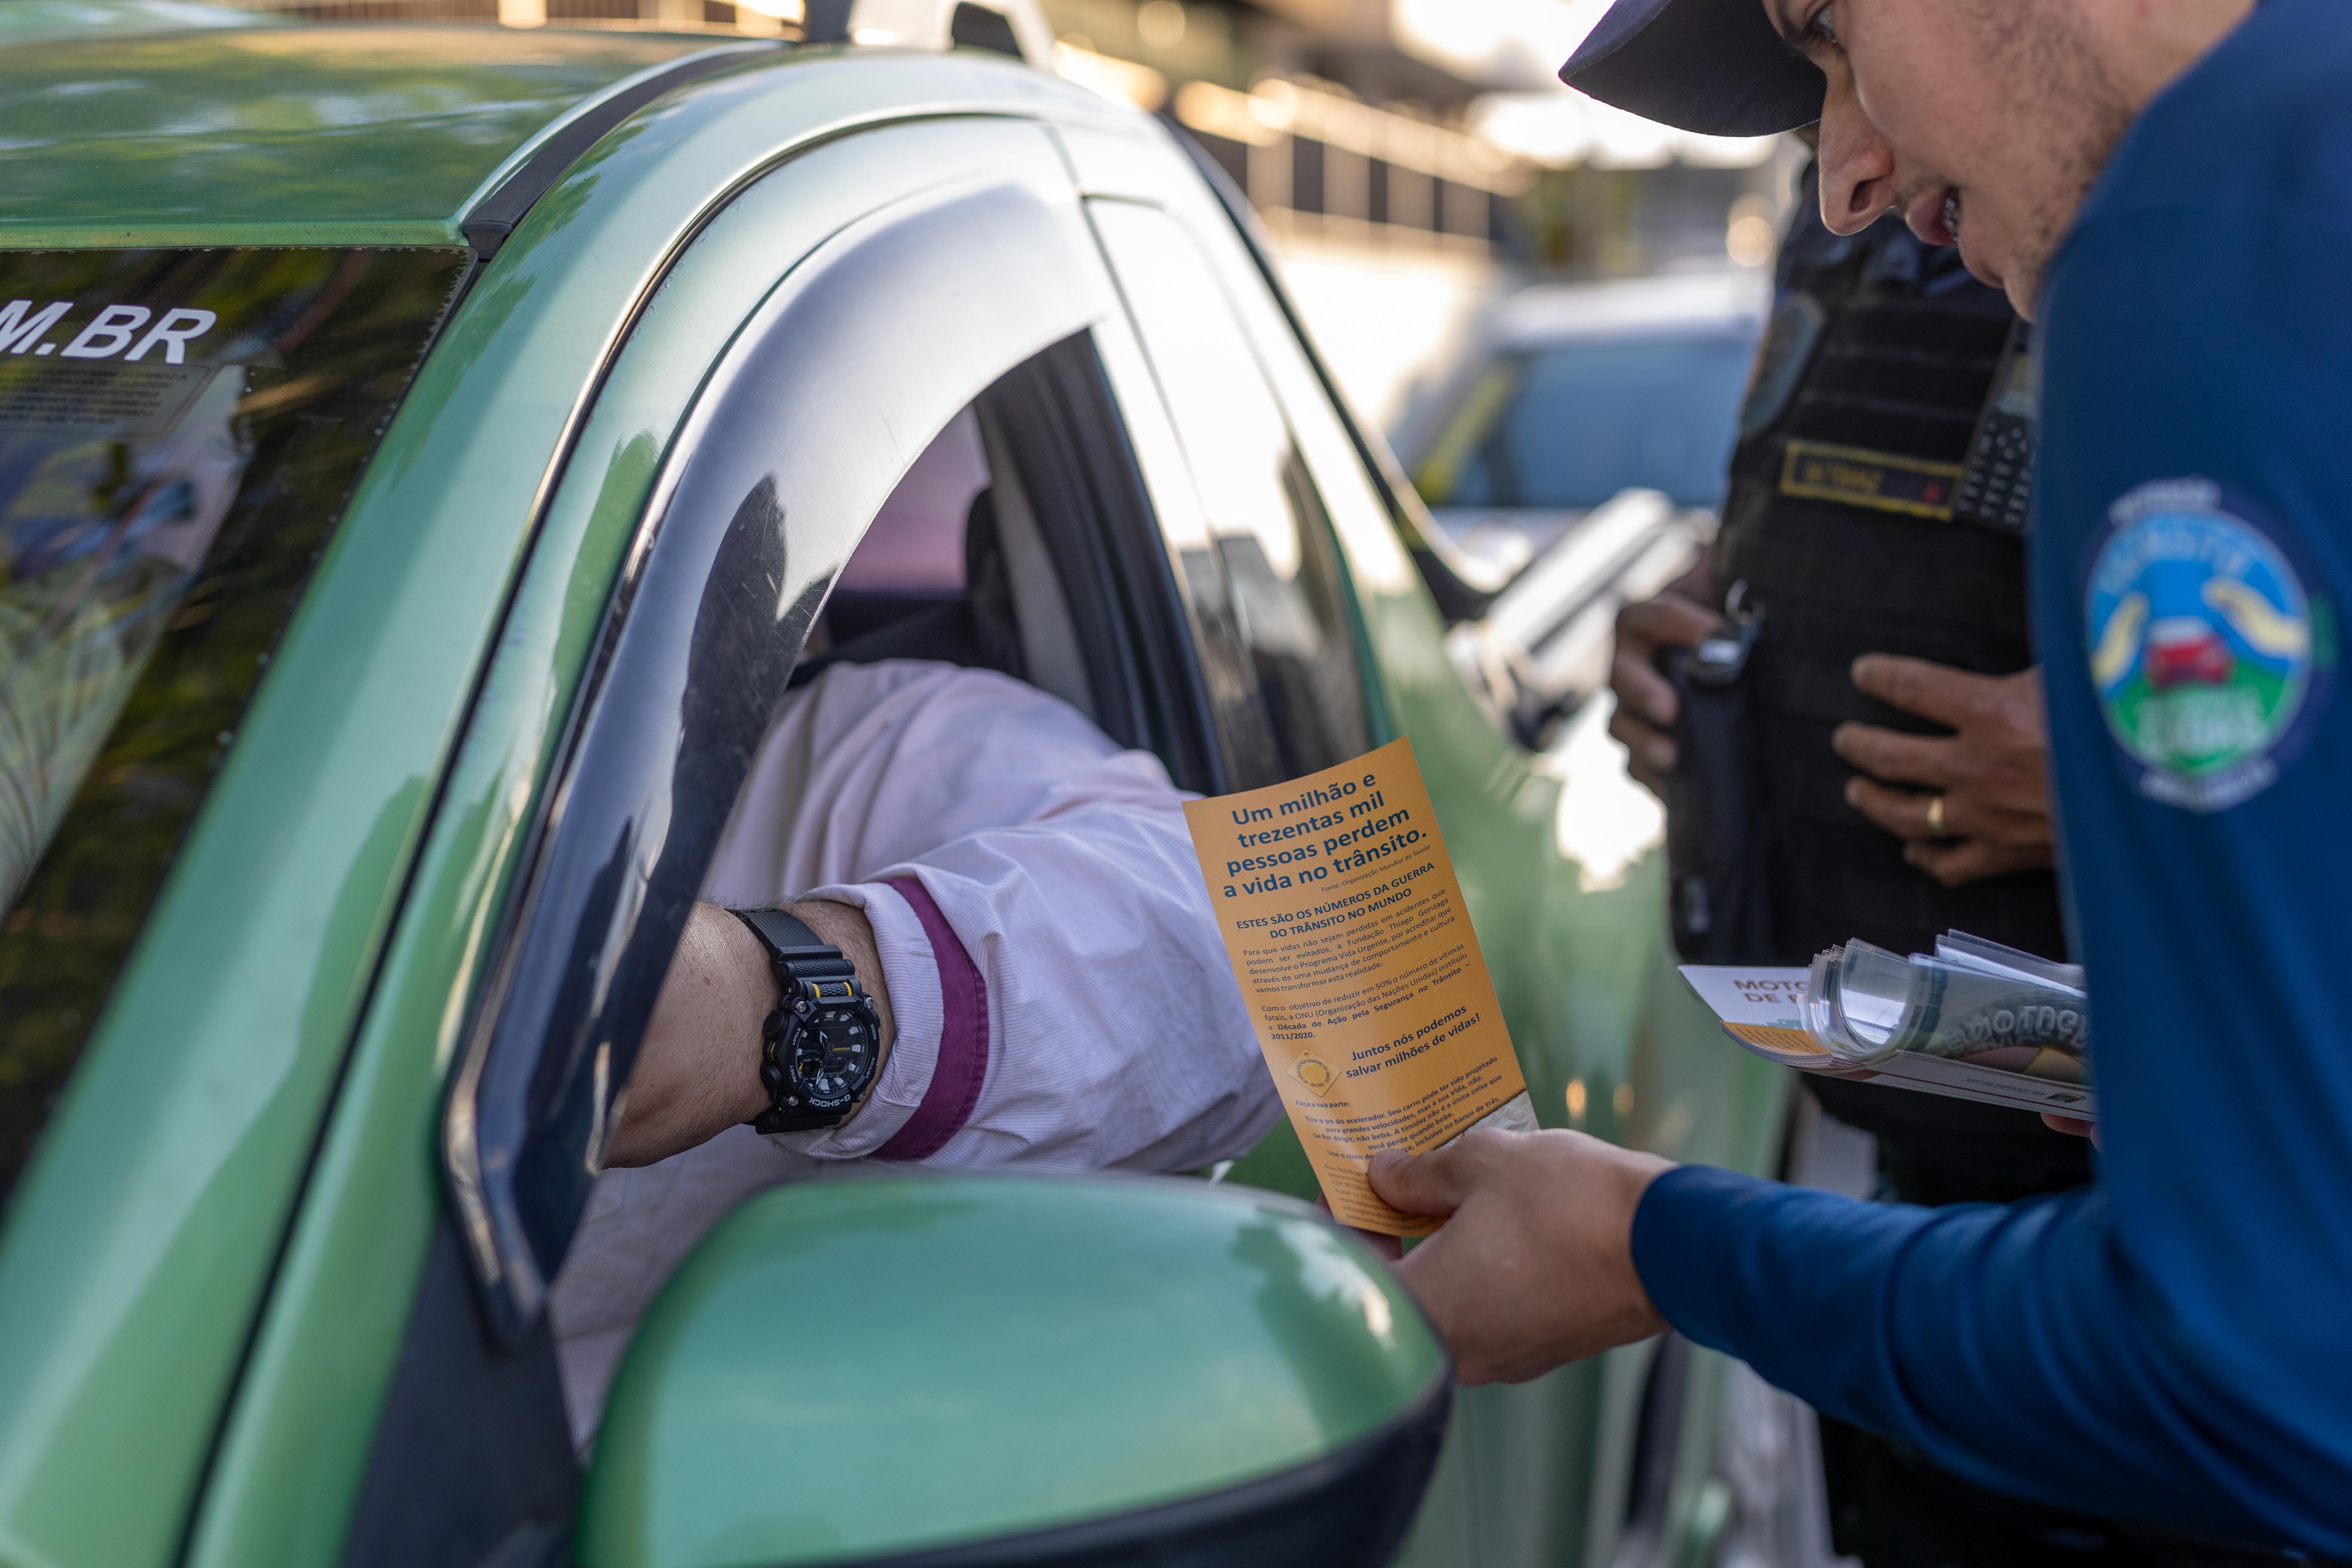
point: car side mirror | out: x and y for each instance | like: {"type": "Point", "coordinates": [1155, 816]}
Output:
{"type": "Point", "coordinates": [1015, 1369]}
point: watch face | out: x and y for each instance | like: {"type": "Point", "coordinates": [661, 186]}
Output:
{"type": "Point", "coordinates": [833, 1060]}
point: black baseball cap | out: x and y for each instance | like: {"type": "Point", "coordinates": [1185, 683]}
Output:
{"type": "Point", "coordinates": [1716, 67]}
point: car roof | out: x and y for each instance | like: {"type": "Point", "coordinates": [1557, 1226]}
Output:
{"type": "Point", "coordinates": [23, 21]}
{"type": "Point", "coordinates": [1699, 302]}
{"type": "Point", "coordinates": [287, 134]}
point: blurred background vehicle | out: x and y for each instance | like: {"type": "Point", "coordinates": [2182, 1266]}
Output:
{"type": "Point", "coordinates": [1577, 453]}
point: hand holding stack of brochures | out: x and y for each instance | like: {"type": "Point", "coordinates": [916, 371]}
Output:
{"type": "Point", "coordinates": [1973, 1019]}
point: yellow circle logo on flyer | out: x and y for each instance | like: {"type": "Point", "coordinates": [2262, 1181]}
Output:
{"type": "Point", "coordinates": [1314, 1072]}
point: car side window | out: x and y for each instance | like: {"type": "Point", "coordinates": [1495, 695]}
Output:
{"type": "Point", "coordinates": [1264, 580]}
{"type": "Point", "coordinates": [800, 433]}
{"type": "Point", "coordinates": [1027, 546]}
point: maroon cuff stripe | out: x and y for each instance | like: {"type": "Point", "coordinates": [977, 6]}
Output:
{"type": "Point", "coordinates": [963, 1036]}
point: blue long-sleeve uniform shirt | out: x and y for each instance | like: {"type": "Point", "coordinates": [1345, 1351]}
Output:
{"type": "Point", "coordinates": [2173, 1343]}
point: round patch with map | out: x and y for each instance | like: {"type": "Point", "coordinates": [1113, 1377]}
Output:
{"type": "Point", "coordinates": [2201, 644]}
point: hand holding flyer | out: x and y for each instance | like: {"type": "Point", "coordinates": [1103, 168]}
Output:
{"type": "Point", "coordinates": [1346, 928]}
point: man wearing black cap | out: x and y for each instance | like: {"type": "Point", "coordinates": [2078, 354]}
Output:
{"type": "Point", "coordinates": [2164, 186]}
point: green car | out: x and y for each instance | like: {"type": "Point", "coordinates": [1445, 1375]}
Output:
{"type": "Point", "coordinates": [424, 454]}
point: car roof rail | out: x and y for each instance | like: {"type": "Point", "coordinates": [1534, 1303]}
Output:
{"type": "Point", "coordinates": [1014, 27]}
{"type": "Point", "coordinates": [489, 222]}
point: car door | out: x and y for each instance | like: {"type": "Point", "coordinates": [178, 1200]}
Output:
{"type": "Point", "coordinates": [1546, 1472]}
{"type": "Point", "coordinates": [401, 1401]}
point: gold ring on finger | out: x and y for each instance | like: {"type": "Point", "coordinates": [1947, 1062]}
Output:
{"type": "Point", "coordinates": [1936, 827]}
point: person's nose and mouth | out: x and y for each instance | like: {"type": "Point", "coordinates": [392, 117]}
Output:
{"type": "Point", "coordinates": [1862, 178]}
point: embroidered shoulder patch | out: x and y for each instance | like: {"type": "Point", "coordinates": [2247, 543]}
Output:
{"type": "Point", "coordinates": [2207, 654]}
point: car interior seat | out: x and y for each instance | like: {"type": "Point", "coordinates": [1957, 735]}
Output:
{"type": "Point", "coordinates": [955, 568]}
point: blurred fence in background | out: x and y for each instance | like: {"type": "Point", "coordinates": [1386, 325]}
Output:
{"type": "Point", "coordinates": [1394, 231]}
{"type": "Point", "coordinates": [770, 18]}
{"type": "Point", "coordinates": [1317, 163]}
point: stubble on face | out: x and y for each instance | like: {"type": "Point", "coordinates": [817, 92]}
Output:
{"type": "Point", "coordinates": [2070, 112]}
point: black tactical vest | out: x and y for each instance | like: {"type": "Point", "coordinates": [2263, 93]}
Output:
{"type": "Point", "coordinates": [1859, 427]}
{"type": "Point", "coordinates": [1885, 353]}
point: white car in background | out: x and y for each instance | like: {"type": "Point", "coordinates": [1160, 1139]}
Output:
{"type": "Point", "coordinates": [1577, 453]}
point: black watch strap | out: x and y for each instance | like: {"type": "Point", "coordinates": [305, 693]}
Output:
{"type": "Point", "coordinates": [796, 951]}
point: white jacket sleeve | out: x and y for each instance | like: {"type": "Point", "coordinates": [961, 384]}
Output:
{"type": "Point", "coordinates": [1061, 992]}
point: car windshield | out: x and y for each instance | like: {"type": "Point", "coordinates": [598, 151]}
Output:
{"type": "Point", "coordinates": [1573, 424]}
{"type": "Point", "coordinates": [179, 432]}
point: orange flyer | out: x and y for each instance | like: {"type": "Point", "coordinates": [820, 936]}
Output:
{"type": "Point", "coordinates": [1346, 930]}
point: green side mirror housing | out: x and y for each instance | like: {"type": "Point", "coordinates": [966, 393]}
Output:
{"type": "Point", "coordinates": [980, 1369]}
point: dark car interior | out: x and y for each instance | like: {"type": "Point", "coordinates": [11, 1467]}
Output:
{"type": "Point", "coordinates": [1020, 541]}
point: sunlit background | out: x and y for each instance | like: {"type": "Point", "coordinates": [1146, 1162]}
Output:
{"type": "Point", "coordinates": [1417, 159]}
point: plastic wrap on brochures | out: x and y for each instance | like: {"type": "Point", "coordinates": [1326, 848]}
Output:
{"type": "Point", "coordinates": [1972, 1001]}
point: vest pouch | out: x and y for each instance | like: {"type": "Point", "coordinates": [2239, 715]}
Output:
{"type": "Point", "coordinates": [1715, 830]}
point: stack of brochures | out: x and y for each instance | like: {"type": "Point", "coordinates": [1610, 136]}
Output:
{"type": "Point", "coordinates": [1973, 1019]}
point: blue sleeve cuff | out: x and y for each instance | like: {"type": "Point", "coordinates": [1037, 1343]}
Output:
{"type": "Point", "coordinates": [1684, 1232]}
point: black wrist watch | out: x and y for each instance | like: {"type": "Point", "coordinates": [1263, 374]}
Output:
{"type": "Point", "coordinates": [822, 1045]}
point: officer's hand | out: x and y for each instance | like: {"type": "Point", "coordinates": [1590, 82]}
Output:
{"type": "Point", "coordinates": [1992, 774]}
{"type": "Point", "coordinates": [1535, 1266]}
{"type": "Point", "coordinates": [1677, 617]}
